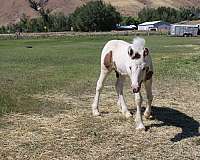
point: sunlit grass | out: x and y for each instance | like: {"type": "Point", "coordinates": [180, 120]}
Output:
{"type": "Point", "coordinates": [73, 64]}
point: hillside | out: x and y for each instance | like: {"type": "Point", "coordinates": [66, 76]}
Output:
{"type": "Point", "coordinates": [12, 10]}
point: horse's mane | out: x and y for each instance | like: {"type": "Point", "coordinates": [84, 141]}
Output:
{"type": "Point", "coordinates": [138, 43]}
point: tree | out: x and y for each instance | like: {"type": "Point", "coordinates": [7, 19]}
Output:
{"type": "Point", "coordinates": [40, 8]}
{"type": "Point", "coordinates": [169, 14]}
{"type": "Point", "coordinates": [95, 16]}
{"type": "Point", "coordinates": [59, 22]}
{"type": "Point", "coordinates": [129, 20]}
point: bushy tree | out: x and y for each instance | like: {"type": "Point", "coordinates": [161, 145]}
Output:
{"type": "Point", "coordinates": [95, 16]}
{"type": "Point", "coordinates": [39, 7]}
{"type": "Point", "coordinates": [3, 30]}
{"type": "Point", "coordinates": [58, 22]}
{"type": "Point", "coordinates": [129, 20]}
{"type": "Point", "coordinates": [46, 21]}
{"type": "Point", "coordinates": [161, 13]}
{"type": "Point", "coordinates": [169, 14]}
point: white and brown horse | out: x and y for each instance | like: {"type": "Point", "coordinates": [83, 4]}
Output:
{"type": "Point", "coordinates": [127, 59]}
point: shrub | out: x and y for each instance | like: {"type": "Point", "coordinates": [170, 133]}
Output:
{"type": "Point", "coordinates": [169, 14]}
{"type": "Point", "coordinates": [95, 16]}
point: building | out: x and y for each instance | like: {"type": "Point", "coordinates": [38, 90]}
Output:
{"type": "Point", "coordinates": [193, 22]}
{"type": "Point", "coordinates": [127, 27]}
{"type": "Point", "coordinates": [154, 26]}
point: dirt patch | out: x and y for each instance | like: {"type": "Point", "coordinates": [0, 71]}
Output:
{"type": "Point", "coordinates": [75, 134]}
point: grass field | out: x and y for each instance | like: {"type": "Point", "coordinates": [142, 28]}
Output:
{"type": "Point", "coordinates": [46, 90]}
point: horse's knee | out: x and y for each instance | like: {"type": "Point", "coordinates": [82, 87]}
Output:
{"type": "Point", "coordinates": [149, 92]}
{"type": "Point", "coordinates": [138, 99]}
{"type": "Point", "coordinates": [99, 86]}
{"type": "Point", "coordinates": [150, 97]}
{"type": "Point", "coordinates": [119, 85]}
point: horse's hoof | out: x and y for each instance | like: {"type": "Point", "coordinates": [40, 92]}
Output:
{"type": "Point", "coordinates": [140, 127]}
{"type": "Point", "coordinates": [127, 114]}
{"type": "Point", "coordinates": [147, 115]}
{"type": "Point", "coordinates": [96, 113]}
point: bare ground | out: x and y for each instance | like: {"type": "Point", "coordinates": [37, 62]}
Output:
{"type": "Point", "coordinates": [70, 132]}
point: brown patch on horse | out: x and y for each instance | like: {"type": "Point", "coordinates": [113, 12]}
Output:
{"type": "Point", "coordinates": [108, 60]}
{"type": "Point", "coordinates": [149, 75]}
{"type": "Point", "coordinates": [146, 52]}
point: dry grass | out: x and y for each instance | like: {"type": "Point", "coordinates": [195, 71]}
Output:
{"type": "Point", "coordinates": [128, 7]}
{"type": "Point", "coordinates": [47, 121]}
{"type": "Point", "coordinates": [73, 133]}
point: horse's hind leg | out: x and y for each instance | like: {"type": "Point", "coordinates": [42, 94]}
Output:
{"type": "Point", "coordinates": [121, 102]}
{"type": "Point", "coordinates": [102, 77]}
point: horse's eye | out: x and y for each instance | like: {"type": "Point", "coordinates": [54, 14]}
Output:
{"type": "Point", "coordinates": [130, 68]}
{"type": "Point", "coordinates": [131, 52]}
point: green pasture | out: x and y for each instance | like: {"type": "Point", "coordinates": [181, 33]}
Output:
{"type": "Point", "coordinates": [72, 64]}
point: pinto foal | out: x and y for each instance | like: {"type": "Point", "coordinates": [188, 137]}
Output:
{"type": "Point", "coordinates": [131, 60]}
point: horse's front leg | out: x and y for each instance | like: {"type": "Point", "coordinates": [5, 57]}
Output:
{"type": "Point", "coordinates": [148, 88]}
{"type": "Point", "coordinates": [121, 101]}
{"type": "Point", "coordinates": [138, 119]}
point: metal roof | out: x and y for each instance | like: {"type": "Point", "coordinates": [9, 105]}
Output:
{"type": "Point", "coordinates": [186, 25]}
{"type": "Point", "coordinates": [149, 23]}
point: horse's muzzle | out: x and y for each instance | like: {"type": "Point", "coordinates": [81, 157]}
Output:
{"type": "Point", "coordinates": [136, 90]}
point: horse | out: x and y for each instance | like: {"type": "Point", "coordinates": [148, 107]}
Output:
{"type": "Point", "coordinates": [132, 60]}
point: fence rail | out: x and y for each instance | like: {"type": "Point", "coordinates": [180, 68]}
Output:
{"type": "Point", "coordinates": [71, 34]}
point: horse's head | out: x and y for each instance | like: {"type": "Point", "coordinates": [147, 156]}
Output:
{"type": "Point", "coordinates": [137, 67]}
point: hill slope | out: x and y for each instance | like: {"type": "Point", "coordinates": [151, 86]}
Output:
{"type": "Point", "coordinates": [12, 10]}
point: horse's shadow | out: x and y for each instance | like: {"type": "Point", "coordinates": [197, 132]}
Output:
{"type": "Point", "coordinates": [171, 117]}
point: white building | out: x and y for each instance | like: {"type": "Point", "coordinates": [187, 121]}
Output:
{"type": "Point", "coordinates": [184, 30]}
{"type": "Point", "coordinates": [154, 26]}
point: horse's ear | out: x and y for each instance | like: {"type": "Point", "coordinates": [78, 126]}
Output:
{"type": "Point", "coordinates": [130, 52]}
{"type": "Point", "coordinates": [146, 52]}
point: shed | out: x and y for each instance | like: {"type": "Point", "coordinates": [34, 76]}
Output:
{"type": "Point", "coordinates": [154, 25]}
{"type": "Point", "coordinates": [184, 30]}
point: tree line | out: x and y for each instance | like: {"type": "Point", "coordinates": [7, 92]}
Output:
{"type": "Point", "coordinates": [168, 14]}
{"type": "Point", "coordinates": [94, 16]}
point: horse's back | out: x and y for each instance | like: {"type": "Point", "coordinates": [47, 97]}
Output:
{"type": "Point", "coordinates": [116, 46]}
